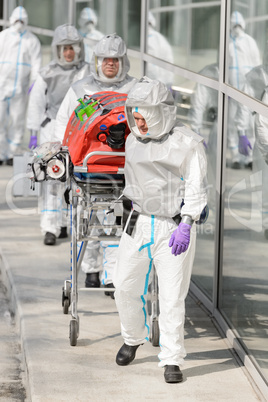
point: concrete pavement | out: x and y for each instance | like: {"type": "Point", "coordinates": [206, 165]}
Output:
{"type": "Point", "coordinates": [56, 371]}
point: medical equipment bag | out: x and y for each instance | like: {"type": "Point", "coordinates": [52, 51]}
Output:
{"type": "Point", "coordinates": [98, 124]}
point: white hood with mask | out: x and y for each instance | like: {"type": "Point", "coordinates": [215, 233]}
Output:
{"type": "Point", "coordinates": [169, 163]}
{"type": "Point", "coordinates": [67, 34]}
{"type": "Point", "coordinates": [110, 46]}
{"type": "Point", "coordinates": [156, 104]}
{"type": "Point", "coordinates": [19, 19]}
{"type": "Point", "coordinates": [237, 24]}
{"type": "Point", "coordinates": [87, 20]}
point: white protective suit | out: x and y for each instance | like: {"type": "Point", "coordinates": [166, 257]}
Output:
{"type": "Point", "coordinates": [161, 168]}
{"type": "Point", "coordinates": [256, 82]}
{"type": "Point", "coordinates": [110, 46]}
{"type": "Point", "coordinates": [158, 46]}
{"type": "Point", "coordinates": [51, 86]}
{"type": "Point", "coordinates": [243, 56]}
{"type": "Point", "coordinates": [20, 61]}
{"type": "Point", "coordinates": [261, 127]}
{"type": "Point", "coordinates": [88, 21]}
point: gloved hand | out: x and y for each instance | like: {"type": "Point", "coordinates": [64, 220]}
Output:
{"type": "Point", "coordinates": [205, 145]}
{"type": "Point", "coordinates": [244, 144]}
{"type": "Point", "coordinates": [33, 142]}
{"type": "Point", "coordinates": [30, 88]}
{"type": "Point", "coordinates": [180, 239]}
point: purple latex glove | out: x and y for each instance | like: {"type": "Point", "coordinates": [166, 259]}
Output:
{"type": "Point", "coordinates": [33, 142]}
{"type": "Point", "coordinates": [180, 239]}
{"type": "Point", "coordinates": [244, 144]}
{"type": "Point", "coordinates": [31, 87]}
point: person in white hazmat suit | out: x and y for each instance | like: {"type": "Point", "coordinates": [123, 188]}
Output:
{"type": "Point", "coordinates": [261, 127]}
{"type": "Point", "coordinates": [88, 21]}
{"type": "Point", "coordinates": [109, 67]}
{"type": "Point", "coordinates": [158, 46]}
{"type": "Point", "coordinates": [52, 84]}
{"type": "Point", "coordinates": [165, 164]}
{"type": "Point", "coordinates": [255, 86]}
{"type": "Point", "coordinates": [20, 61]}
{"type": "Point", "coordinates": [243, 56]}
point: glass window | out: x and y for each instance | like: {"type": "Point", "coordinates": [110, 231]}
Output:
{"type": "Point", "coordinates": [245, 252]}
{"type": "Point", "coordinates": [247, 42]}
{"type": "Point", "coordinates": [96, 19]}
{"type": "Point", "coordinates": [203, 116]}
{"type": "Point", "coordinates": [190, 33]}
{"type": "Point", "coordinates": [197, 107]}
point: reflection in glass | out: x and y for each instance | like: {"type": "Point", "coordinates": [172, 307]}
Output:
{"type": "Point", "coordinates": [192, 31]}
{"type": "Point", "coordinates": [158, 46]}
{"type": "Point", "coordinates": [245, 255]}
{"type": "Point", "coordinates": [243, 51]}
{"type": "Point", "coordinates": [243, 56]}
{"type": "Point", "coordinates": [203, 120]}
{"type": "Point", "coordinates": [87, 27]}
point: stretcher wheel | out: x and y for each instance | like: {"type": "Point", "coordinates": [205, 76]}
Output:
{"type": "Point", "coordinates": [65, 302]}
{"type": "Point", "coordinates": [155, 333]}
{"type": "Point", "coordinates": [66, 305]}
{"type": "Point", "coordinates": [73, 332]}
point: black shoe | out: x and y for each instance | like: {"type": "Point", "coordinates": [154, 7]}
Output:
{"type": "Point", "coordinates": [92, 280]}
{"type": "Point", "coordinates": [50, 239]}
{"type": "Point", "coordinates": [173, 374]}
{"type": "Point", "coordinates": [9, 162]}
{"type": "Point", "coordinates": [249, 166]}
{"type": "Point", "coordinates": [110, 285]}
{"type": "Point", "coordinates": [1, 162]}
{"type": "Point", "coordinates": [63, 233]}
{"type": "Point", "coordinates": [235, 165]}
{"type": "Point", "coordinates": [126, 354]}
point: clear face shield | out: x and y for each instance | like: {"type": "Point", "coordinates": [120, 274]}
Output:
{"type": "Point", "coordinates": [153, 119]}
{"type": "Point", "coordinates": [69, 58]}
{"type": "Point", "coordinates": [109, 69]}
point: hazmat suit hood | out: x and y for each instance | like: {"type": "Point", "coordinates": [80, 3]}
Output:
{"type": "Point", "coordinates": [110, 46]}
{"type": "Point", "coordinates": [237, 23]}
{"type": "Point", "coordinates": [87, 20]}
{"type": "Point", "coordinates": [154, 102]}
{"type": "Point", "coordinates": [151, 19]}
{"type": "Point", "coordinates": [67, 35]}
{"type": "Point", "coordinates": [19, 19]}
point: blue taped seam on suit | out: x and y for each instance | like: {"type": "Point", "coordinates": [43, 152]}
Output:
{"type": "Point", "coordinates": [147, 245]}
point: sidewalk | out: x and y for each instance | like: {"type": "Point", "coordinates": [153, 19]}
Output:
{"type": "Point", "coordinates": [56, 371]}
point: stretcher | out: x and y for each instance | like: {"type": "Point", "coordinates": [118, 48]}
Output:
{"type": "Point", "coordinates": [87, 195]}
{"type": "Point", "coordinates": [94, 177]}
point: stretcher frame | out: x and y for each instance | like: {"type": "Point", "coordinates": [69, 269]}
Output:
{"type": "Point", "coordinates": [79, 196]}
{"type": "Point", "coordinates": [89, 195]}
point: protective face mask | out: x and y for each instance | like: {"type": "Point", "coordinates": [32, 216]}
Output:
{"type": "Point", "coordinates": [237, 31]}
{"type": "Point", "coordinates": [89, 27]}
{"type": "Point", "coordinates": [18, 26]}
